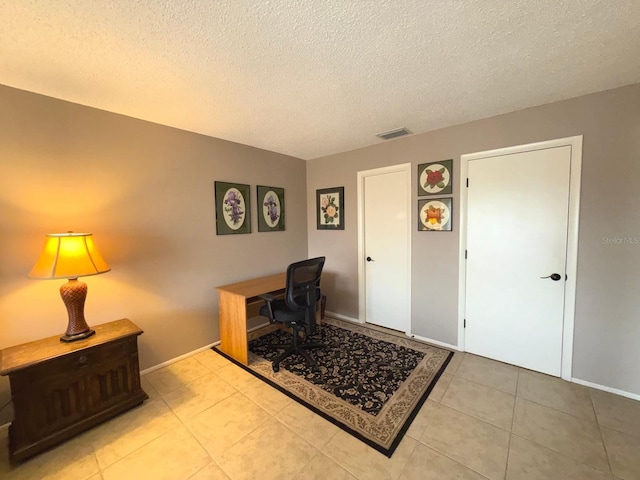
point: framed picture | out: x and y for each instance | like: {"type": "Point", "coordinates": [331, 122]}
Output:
{"type": "Point", "coordinates": [233, 208]}
{"type": "Point", "coordinates": [270, 208]}
{"type": "Point", "coordinates": [435, 178]}
{"type": "Point", "coordinates": [330, 208]}
{"type": "Point", "coordinates": [434, 215]}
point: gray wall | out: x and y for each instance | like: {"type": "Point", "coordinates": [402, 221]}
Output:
{"type": "Point", "coordinates": [147, 193]}
{"type": "Point", "coordinates": [607, 326]}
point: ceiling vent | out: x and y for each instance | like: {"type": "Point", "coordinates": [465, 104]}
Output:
{"type": "Point", "coordinates": [398, 132]}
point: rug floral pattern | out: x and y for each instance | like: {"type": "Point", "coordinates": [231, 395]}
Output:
{"type": "Point", "coordinates": [370, 383]}
{"type": "Point", "coordinates": [365, 375]}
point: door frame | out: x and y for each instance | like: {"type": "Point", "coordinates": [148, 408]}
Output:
{"type": "Point", "coordinates": [362, 292]}
{"type": "Point", "coordinates": [572, 238]}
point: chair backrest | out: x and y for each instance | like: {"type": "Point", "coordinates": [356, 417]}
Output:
{"type": "Point", "coordinates": [303, 285]}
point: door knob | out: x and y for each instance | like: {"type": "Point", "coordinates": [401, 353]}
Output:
{"type": "Point", "coordinates": [369, 259]}
{"type": "Point", "coordinates": [554, 276]}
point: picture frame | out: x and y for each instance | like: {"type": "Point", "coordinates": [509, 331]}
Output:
{"type": "Point", "coordinates": [330, 208]}
{"type": "Point", "coordinates": [435, 214]}
{"type": "Point", "coordinates": [233, 208]}
{"type": "Point", "coordinates": [271, 211]}
{"type": "Point", "coordinates": [435, 178]}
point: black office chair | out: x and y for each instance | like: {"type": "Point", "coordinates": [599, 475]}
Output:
{"type": "Point", "coordinates": [298, 309]}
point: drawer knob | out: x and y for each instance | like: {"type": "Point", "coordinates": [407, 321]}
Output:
{"type": "Point", "coordinates": [83, 360]}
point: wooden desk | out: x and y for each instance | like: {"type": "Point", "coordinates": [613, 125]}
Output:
{"type": "Point", "coordinates": [238, 302]}
{"type": "Point", "coordinates": [61, 389]}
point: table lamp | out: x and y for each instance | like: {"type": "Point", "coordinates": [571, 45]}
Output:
{"type": "Point", "coordinates": [71, 255]}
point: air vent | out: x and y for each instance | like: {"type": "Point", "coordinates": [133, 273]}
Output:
{"type": "Point", "coordinates": [398, 132]}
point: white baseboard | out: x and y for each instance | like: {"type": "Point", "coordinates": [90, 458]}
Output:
{"type": "Point", "coordinates": [197, 350]}
{"type": "Point", "coordinates": [622, 393]}
{"type": "Point", "coordinates": [435, 342]}
{"type": "Point", "coordinates": [342, 317]}
{"type": "Point", "coordinates": [177, 359]}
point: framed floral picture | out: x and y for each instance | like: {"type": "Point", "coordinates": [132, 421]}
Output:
{"type": "Point", "coordinates": [330, 208]}
{"type": "Point", "coordinates": [233, 208]}
{"type": "Point", "coordinates": [435, 178]}
{"type": "Point", "coordinates": [434, 215]}
{"type": "Point", "coordinates": [270, 208]}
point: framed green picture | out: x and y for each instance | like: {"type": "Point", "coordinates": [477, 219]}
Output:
{"type": "Point", "coordinates": [233, 208]}
{"type": "Point", "coordinates": [330, 208]}
{"type": "Point", "coordinates": [435, 178]}
{"type": "Point", "coordinates": [270, 202]}
{"type": "Point", "coordinates": [434, 215]}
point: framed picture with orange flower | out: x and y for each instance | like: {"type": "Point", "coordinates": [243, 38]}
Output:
{"type": "Point", "coordinates": [434, 215]}
{"type": "Point", "coordinates": [435, 178]}
{"type": "Point", "coordinates": [330, 208]}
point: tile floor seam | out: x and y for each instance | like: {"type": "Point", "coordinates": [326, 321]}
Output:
{"type": "Point", "coordinates": [563, 454]}
{"type": "Point", "coordinates": [636, 435]}
{"type": "Point", "coordinates": [481, 384]}
{"type": "Point", "coordinates": [142, 446]}
{"type": "Point", "coordinates": [604, 444]}
{"type": "Point", "coordinates": [204, 466]}
{"type": "Point", "coordinates": [257, 426]}
{"type": "Point", "coordinates": [513, 419]}
{"type": "Point", "coordinates": [439, 452]}
{"type": "Point", "coordinates": [452, 459]}
{"type": "Point", "coordinates": [445, 389]}
{"type": "Point", "coordinates": [475, 417]}
{"type": "Point", "coordinates": [195, 355]}
{"type": "Point", "coordinates": [205, 449]}
{"type": "Point", "coordinates": [275, 416]}
{"type": "Point", "coordinates": [415, 444]}
{"type": "Point", "coordinates": [311, 459]}
{"type": "Point", "coordinates": [556, 410]}
{"type": "Point", "coordinates": [345, 467]}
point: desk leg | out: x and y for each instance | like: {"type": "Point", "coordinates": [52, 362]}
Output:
{"type": "Point", "coordinates": [233, 326]}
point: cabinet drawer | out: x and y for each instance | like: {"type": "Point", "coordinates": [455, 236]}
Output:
{"type": "Point", "coordinates": [73, 362]}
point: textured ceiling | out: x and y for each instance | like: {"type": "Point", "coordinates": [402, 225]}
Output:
{"type": "Point", "coordinates": [313, 77]}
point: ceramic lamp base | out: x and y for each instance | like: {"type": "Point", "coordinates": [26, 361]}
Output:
{"type": "Point", "coordinates": [79, 336]}
{"type": "Point", "coordinates": [73, 295]}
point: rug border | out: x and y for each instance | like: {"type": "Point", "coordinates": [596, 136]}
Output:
{"type": "Point", "coordinates": [401, 433]}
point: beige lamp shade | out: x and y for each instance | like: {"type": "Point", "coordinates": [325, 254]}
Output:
{"type": "Point", "coordinates": [69, 255]}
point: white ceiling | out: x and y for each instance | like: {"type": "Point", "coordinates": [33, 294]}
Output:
{"type": "Point", "coordinates": [314, 77]}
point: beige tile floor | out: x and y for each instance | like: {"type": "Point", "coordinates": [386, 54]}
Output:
{"type": "Point", "coordinates": [208, 419]}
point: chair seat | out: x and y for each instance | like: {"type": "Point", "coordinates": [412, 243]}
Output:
{"type": "Point", "coordinates": [282, 313]}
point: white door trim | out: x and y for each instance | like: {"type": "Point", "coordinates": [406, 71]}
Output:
{"type": "Point", "coordinates": [572, 238]}
{"type": "Point", "coordinates": [404, 167]}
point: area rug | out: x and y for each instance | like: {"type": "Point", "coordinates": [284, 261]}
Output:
{"type": "Point", "coordinates": [369, 383]}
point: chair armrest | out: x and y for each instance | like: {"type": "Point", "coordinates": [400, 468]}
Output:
{"type": "Point", "coordinates": [268, 298]}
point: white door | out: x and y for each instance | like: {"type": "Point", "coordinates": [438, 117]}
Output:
{"type": "Point", "coordinates": [385, 293]}
{"type": "Point", "coordinates": [517, 224]}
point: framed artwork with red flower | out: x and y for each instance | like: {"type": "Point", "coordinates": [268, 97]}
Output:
{"type": "Point", "coordinates": [330, 208]}
{"type": "Point", "coordinates": [435, 178]}
{"type": "Point", "coordinates": [434, 215]}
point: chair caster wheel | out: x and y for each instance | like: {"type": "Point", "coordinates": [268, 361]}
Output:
{"type": "Point", "coordinates": [276, 368]}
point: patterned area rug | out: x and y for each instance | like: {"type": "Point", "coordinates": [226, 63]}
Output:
{"type": "Point", "coordinates": [369, 383]}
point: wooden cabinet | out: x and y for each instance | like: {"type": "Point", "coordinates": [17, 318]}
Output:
{"type": "Point", "coordinates": [61, 389]}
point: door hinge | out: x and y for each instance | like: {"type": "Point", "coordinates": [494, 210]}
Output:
{"type": "Point", "coordinates": [465, 254]}
{"type": "Point", "coordinates": [464, 323]}
{"type": "Point", "coordinates": [467, 183]}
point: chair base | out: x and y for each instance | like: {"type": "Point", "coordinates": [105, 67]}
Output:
{"type": "Point", "coordinates": [296, 347]}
